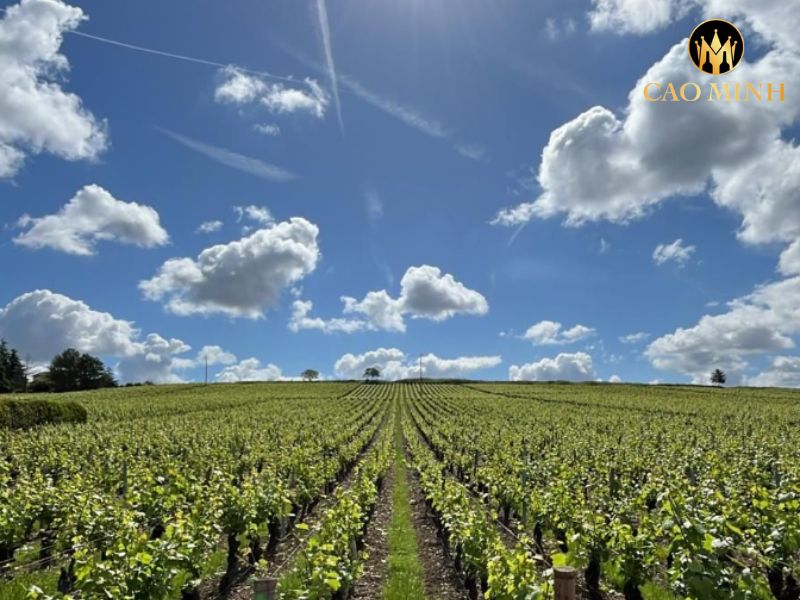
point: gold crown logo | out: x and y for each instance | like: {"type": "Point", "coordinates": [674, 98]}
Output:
{"type": "Point", "coordinates": [715, 53]}
{"type": "Point", "coordinates": [709, 53]}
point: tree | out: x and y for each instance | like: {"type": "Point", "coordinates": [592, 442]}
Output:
{"type": "Point", "coordinates": [718, 377]}
{"type": "Point", "coordinates": [72, 370]}
{"type": "Point", "coordinates": [310, 375]}
{"type": "Point", "coordinates": [372, 373]}
{"type": "Point", "coordinates": [13, 377]}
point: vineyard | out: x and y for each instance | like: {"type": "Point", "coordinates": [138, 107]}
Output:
{"type": "Point", "coordinates": [287, 490]}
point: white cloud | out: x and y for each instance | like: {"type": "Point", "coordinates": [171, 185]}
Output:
{"type": "Point", "coordinates": [565, 366]}
{"type": "Point", "coordinates": [425, 293]}
{"type": "Point", "coordinates": [209, 227]}
{"type": "Point", "coordinates": [551, 332]}
{"type": "Point", "coordinates": [790, 259]}
{"type": "Point", "coordinates": [259, 214]}
{"type": "Point", "coordinates": [634, 338]}
{"type": "Point", "coordinates": [92, 215]}
{"type": "Point", "coordinates": [783, 372]}
{"type": "Point", "coordinates": [269, 129]}
{"type": "Point", "coordinates": [301, 320]}
{"type": "Point", "coordinates": [615, 379]}
{"type": "Point", "coordinates": [761, 322]}
{"type": "Point", "coordinates": [395, 364]}
{"type": "Point", "coordinates": [675, 252]}
{"type": "Point", "coordinates": [379, 310]}
{"type": "Point", "coordinates": [772, 19]}
{"type": "Point", "coordinates": [40, 324]}
{"type": "Point", "coordinates": [605, 247]}
{"type": "Point", "coordinates": [240, 88]}
{"type": "Point", "coordinates": [215, 355]}
{"type": "Point", "coordinates": [36, 114]}
{"type": "Point", "coordinates": [250, 369]}
{"type": "Point", "coordinates": [635, 16]}
{"type": "Point", "coordinates": [157, 361]}
{"type": "Point", "coordinates": [241, 278]}
{"type": "Point", "coordinates": [234, 160]}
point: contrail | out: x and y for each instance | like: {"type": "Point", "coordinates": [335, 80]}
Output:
{"type": "Point", "coordinates": [406, 115]}
{"type": "Point", "coordinates": [248, 164]}
{"type": "Point", "coordinates": [200, 61]}
{"type": "Point", "coordinates": [402, 113]}
{"type": "Point", "coordinates": [325, 32]}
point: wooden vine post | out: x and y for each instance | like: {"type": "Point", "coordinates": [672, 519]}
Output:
{"type": "Point", "coordinates": [264, 589]}
{"type": "Point", "coordinates": [565, 582]}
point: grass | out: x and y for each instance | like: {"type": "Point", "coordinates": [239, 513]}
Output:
{"type": "Point", "coordinates": [18, 589]}
{"type": "Point", "coordinates": [405, 579]}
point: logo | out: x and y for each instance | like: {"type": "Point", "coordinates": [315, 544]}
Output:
{"type": "Point", "coordinates": [716, 46]}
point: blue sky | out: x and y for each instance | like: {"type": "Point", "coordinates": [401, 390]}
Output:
{"type": "Point", "coordinates": [446, 108]}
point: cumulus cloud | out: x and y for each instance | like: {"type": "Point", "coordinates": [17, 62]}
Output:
{"type": "Point", "coordinates": [241, 88]}
{"type": "Point", "coordinates": [783, 372]}
{"type": "Point", "coordinates": [615, 379]}
{"type": "Point", "coordinates": [675, 252]}
{"type": "Point", "coordinates": [761, 322]}
{"type": "Point", "coordinates": [565, 366]}
{"type": "Point", "coordinates": [603, 167]}
{"type": "Point", "coordinates": [215, 355]}
{"type": "Point", "coordinates": [36, 114]}
{"type": "Point", "coordinates": [209, 227]}
{"type": "Point", "coordinates": [425, 293]}
{"type": "Point", "coordinates": [250, 369]}
{"type": "Point", "coordinates": [42, 323]}
{"type": "Point", "coordinates": [790, 260]}
{"type": "Point", "coordinates": [92, 215]}
{"type": "Point", "coordinates": [156, 361]}
{"type": "Point", "coordinates": [395, 364]}
{"type": "Point", "coordinates": [241, 278]}
{"type": "Point", "coordinates": [546, 333]}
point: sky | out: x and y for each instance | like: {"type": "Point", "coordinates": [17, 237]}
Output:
{"type": "Point", "coordinates": [479, 189]}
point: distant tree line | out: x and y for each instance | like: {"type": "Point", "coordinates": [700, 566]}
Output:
{"type": "Point", "coordinates": [69, 371]}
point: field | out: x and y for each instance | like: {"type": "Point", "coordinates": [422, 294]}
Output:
{"type": "Point", "coordinates": [406, 491]}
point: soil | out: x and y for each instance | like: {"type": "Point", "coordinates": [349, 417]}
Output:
{"type": "Point", "coordinates": [376, 544]}
{"type": "Point", "coordinates": [441, 579]}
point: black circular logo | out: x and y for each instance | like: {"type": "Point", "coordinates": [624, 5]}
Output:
{"type": "Point", "coordinates": [716, 46]}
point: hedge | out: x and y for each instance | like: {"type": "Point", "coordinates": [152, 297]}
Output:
{"type": "Point", "coordinates": [24, 414]}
